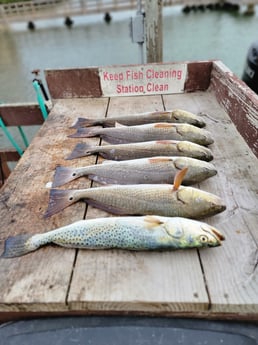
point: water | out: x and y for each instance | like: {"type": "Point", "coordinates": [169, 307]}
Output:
{"type": "Point", "coordinates": [92, 42]}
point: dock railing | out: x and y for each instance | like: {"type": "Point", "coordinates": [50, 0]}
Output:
{"type": "Point", "coordinates": [42, 9]}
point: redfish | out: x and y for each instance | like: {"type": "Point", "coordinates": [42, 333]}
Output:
{"type": "Point", "coordinates": [137, 171]}
{"type": "Point", "coordinates": [142, 199]}
{"type": "Point", "coordinates": [176, 116]}
{"type": "Point", "coordinates": [148, 132]}
{"type": "Point", "coordinates": [128, 233]}
{"type": "Point", "coordinates": [144, 149]}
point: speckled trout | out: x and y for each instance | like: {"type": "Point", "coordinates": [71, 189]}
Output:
{"type": "Point", "coordinates": [142, 199]}
{"type": "Point", "coordinates": [144, 149]}
{"type": "Point", "coordinates": [177, 115]}
{"type": "Point", "coordinates": [130, 233]}
{"type": "Point", "coordinates": [137, 171]}
{"type": "Point", "coordinates": [154, 131]}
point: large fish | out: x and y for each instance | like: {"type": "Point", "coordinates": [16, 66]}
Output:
{"type": "Point", "coordinates": [142, 199]}
{"type": "Point", "coordinates": [153, 131]}
{"type": "Point", "coordinates": [176, 115]}
{"type": "Point", "coordinates": [144, 149]}
{"type": "Point", "coordinates": [130, 233]}
{"type": "Point", "coordinates": [136, 171]}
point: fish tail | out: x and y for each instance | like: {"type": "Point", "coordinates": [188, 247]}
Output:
{"type": "Point", "coordinates": [64, 175]}
{"type": "Point", "coordinates": [85, 122]}
{"type": "Point", "coordinates": [81, 150]}
{"type": "Point", "coordinates": [85, 132]}
{"type": "Point", "coordinates": [59, 200]}
{"type": "Point", "coordinates": [17, 246]}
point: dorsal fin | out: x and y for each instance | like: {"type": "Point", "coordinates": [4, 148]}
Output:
{"type": "Point", "coordinates": [164, 125]}
{"type": "Point", "coordinates": [179, 178]}
{"type": "Point", "coordinates": [159, 159]}
{"type": "Point", "coordinates": [152, 221]}
{"type": "Point", "coordinates": [118, 124]}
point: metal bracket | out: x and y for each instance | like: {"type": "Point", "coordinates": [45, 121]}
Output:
{"type": "Point", "coordinates": [137, 28]}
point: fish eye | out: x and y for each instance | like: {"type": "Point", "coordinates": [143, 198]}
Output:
{"type": "Point", "coordinates": [203, 238]}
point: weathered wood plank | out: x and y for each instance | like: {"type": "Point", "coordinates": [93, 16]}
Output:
{"type": "Point", "coordinates": [40, 281]}
{"type": "Point", "coordinates": [239, 101]}
{"type": "Point", "coordinates": [21, 114]}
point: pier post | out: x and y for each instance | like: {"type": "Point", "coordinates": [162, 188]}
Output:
{"type": "Point", "coordinates": [154, 32]}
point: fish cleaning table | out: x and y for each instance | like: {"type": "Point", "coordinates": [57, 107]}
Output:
{"type": "Point", "coordinates": [219, 283]}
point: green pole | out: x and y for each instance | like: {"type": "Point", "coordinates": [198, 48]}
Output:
{"type": "Point", "coordinates": [40, 99]}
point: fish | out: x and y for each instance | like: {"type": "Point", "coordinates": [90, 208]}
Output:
{"type": "Point", "coordinates": [143, 149]}
{"type": "Point", "coordinates": [141, 199]}
{"type": "Point", "coordinates": [159, 169]}
{"type": "Point", "coordinates": [144, 233]}
{"type": "Point", "coordinates": [152, 131]}
{"type": "Point", "coordinates": [177, 115]}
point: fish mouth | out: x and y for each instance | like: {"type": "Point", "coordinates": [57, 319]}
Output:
{"type": "Point", "coordinates": [218, 235]}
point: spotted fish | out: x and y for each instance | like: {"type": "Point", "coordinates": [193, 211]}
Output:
{"type": "Point", "coordinates": [130, 233]}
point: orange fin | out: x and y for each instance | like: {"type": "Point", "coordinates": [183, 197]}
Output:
{"type": "Point", "coordinates": [179, 178]}
{"type": "Point", "coordinates": [152, 221]}
{"type": "Point", "coordinates": [159, 159]}
{"type": "Point", "coordinates": [163, 125]}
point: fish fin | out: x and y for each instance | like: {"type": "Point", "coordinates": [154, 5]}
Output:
{"type": "Point", "coordinates": [179, 178]}
{"type": "Point", "coordinates": [113, 140]}
{"type": "Point", "coordinates": [80, 150]}
{"type": "Point", "coordinates": [164, 125]}
{"type": "Point", "coordinates": [152, 221]}
{"type": "Point", "coordinates": [17, 246]}
{"type": "Point", "coordinates": [85, 132]}
{"type": "Point", "coordinates": [59, 200]}
{"type": "Point", "coordinates": [160, 159]}
{"type": "Point", "coordinates": [64, 175]}
{"type": "Point", "coordinates": [84, 122]}
{"type": "Point", "coordinates": [107, 208]}
{"type": "Point", "coordinates": [119, 125]}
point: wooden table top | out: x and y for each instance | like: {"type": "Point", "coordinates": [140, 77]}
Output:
{"type": "Point", "coordinates": [213, 283]}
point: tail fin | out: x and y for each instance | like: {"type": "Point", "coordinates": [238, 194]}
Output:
{"type": "Point", "coordinates": [81, 150]}
{"type": "Point", "coordinates": [64, 175]}
{"type": "Point", "coordinates": [85, 132]}
{"type": "Point", "coordinates": [84, 122]}
{"type": "Point", "coordinates": [17, 246]}
{"type": "Point", "coordinates": [59, 200]}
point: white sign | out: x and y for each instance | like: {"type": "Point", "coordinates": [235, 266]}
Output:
{"type": "Point", "coordinates": [143, 79]}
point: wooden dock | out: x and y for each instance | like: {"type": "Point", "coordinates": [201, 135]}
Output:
{"type": "Point", "coordinates": [218, 283]}
{"type": "Point", "coordinates": [45, 9]}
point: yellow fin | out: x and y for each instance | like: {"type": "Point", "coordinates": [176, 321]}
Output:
{"type": "Point", "coordinates": [152, 221]}
{"type": "Point", "coordinates": [179, 178]}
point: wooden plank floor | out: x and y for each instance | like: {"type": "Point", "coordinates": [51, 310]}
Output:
{"type": "Point", "coordinates": [220, 282]}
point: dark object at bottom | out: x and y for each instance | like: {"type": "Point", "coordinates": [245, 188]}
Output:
{"type": "Point", "coordinates": [250, 75]}
{"type": "Point", "coordinates": [127, 330]}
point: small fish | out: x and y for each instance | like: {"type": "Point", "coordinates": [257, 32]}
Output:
{"type": "Point", "coordinates": [148, 132]}
{"type": "Point", "coordinates": [144, 149]}
{"type": "Point", "coordinates": [137, 171]}
{"type": "Point", "coordinates": [142, 199]}
{"type": "Point", "coordinates": [177, 116]}
{"type": "Point", "coordinates": [129, 233]}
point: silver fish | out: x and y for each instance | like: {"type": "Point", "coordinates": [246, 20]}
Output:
{"type": "Point", "coordinates": [147, 132]}
{"type": "Point", "coordinates": [142, 199]}
{"type": "Point", "coordinates": [143, 149]}
{"type": "Point", "coordinates": [176, 116]}
{"type": "Point", "coordinates": [137, 171]}
{"type": "Point", "coordinates": [130, 233]}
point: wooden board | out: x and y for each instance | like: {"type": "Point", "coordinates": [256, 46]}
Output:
{"type": "Point", "coordinates": [211, 283]}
